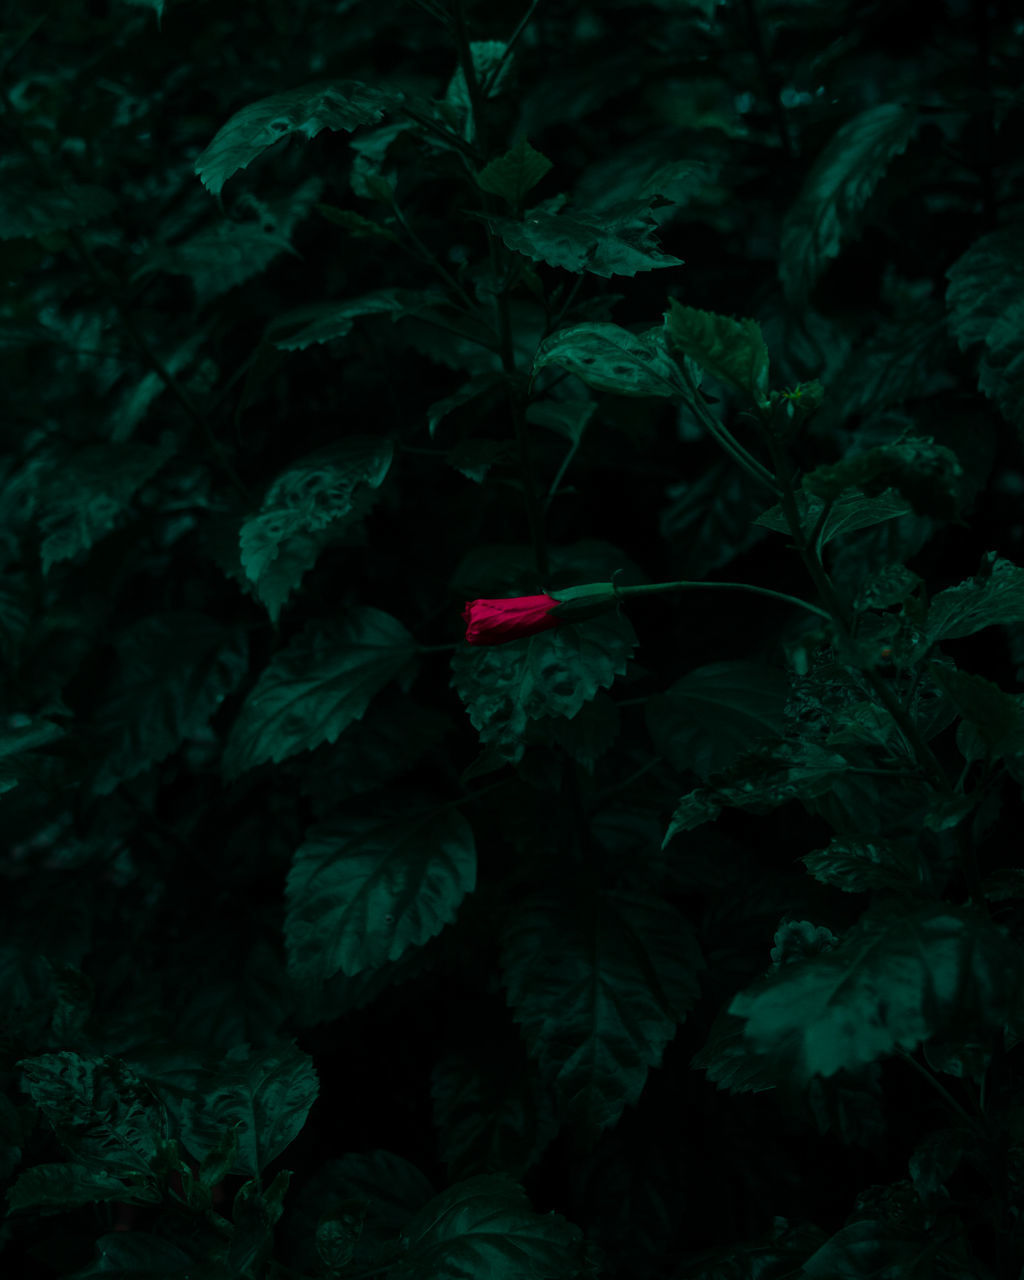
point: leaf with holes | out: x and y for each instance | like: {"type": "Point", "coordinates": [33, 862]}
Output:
{"type": "Point", "coordinates": [339, 104]}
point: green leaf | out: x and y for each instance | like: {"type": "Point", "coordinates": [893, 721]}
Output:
{"type": "Point", "coordinates": [513, 174]}
{"type": "Point", "coordinates": [263, 1094]}
{"type": "Point", "coordinates": [484, 1226]}
{"type": "Point", "coordinates": [315, 688]}
{"type": "Point", "coordinates": [762, 779]}
{"type": "Point", "coordinates": [483, 385]}
{"type": "Point", "coordinates": [327, 321]}
{"type": "Point", "coordinates": [610, 358]}
{"type": "Point", "coordinates": [136, 1256]}
{"type": "Point", "coordinates": [173, 671]}
{"type": "Point", "coordinates": [995, 718]}
{"type": "Point", "coordinates": [599, 985]}
{"type": "Point", "coordinates": [488, 58]}
{"type": "Point", "coordinates": [849, 512]}
{"type": "Point", "coordinates": [994, 596]}
{"type": "Point", "coordinates": [732, 351]}
{"type": "Point", "coordinates": [729, 1061]}
{"type": "Point", "coordinates": [927, 474]}
{"type": "Point", "coordinates": [361, 891]}
{"type": "Point", "coordinates": [83, 494]}
{"type": "Point", "coordinates": [491, 1109]}
{"type": "Point", "coordinates": [28, 209]}
{"type": "Point", "coordinates": [985, 285]}
{"type": "Point", "coordinates": [100, 1111]}
{"type": "Point", "coordinates": [827, 210]}
{"type": "Point", "coordinates": [310, 506]}
{"type": "Point", "coordinates": [361, 228]}
{"type": "Point", "coordinates": [893, 981]}
{"type": "Point", "coordinates": [550, 674]}
{"type": "Point", "coordinates": [864, 866]}
{"type": "Point", "coordinates": [710, 716]}
{"type": "Point", "coordinates": [340, 104]}
{"type": "Point", "coordinates": [618, 240]}
{"type": "Point", "coordinates": [53, 1188]}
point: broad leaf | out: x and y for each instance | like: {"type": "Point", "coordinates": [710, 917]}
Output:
{"type": "Point", "coordinates": [836, 190]}
{"type": "Point", "coordinates": [849, 512]}
{"type": "Point", "coordinates": [327, 321]}
{"type": "Point", "coordinates": [863, 866]}
{"type": "Point", "coordinates": [173, 671]}
{"type": "Point", "coordinates": [362, 890]}
{"type": "Point", "coordinates": [340, 104]}
{"type": "Point", "coordinates": [894, 980]}
{"type": "Point", "coordinates": [610, 358]}
{"type": "Point", "coordinates": [732, 351]}
{"type": "Point", "coordinates": [316, 687]}
{"type": "Point", "coordinates": [598, 985]}
{"type": "Point", "coordinates": [52, 1188]}
{"type": "Point", "coordinates": [614, 241]}
{"type": "Point", "coordinates": [927, 474]}
{"type": "Point", "coordinates": [714, 713]}
{"type": "Point", "coordinates": [762, 779]}
{"type": "Point", "coordinates": [550, 674]}
{"type": "Point", "coordinates": [83, 494]}
{"type": "Point", "coordinates": [307, 508]}
{"type": "Point", "coordinates": [513, 174]}
{"type": "Point", "coordinates": [485, 1226]}
{"type": "Point", "coordinates": [264, 1095]}
{"type": "Point", "coordinates": [993, 719]}
{"type": "Point", "coordinates": [99, 1111]}
{"type": "Point", "coordinates": [995, 595]}
{"type": "Point", "coordinates": [27, 208]}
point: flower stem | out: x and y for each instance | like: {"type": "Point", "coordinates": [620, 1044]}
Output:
{"type": "Point", "coordinates": [728, 442]}
{"type": "Point", "coordinates": [658, 587]}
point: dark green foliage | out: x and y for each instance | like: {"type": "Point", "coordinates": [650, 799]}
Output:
{"type": "Point", "coordinates": [682, 939]}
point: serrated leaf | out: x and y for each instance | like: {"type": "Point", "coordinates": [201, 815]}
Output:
{"type": "Point", "coordinates": [340, 104]}
{"type": "Point", "coordinates": [850, 512]}
{"type": "Point", "coordinates": [30, 209]}
{"type": "Point", "coordinates": [513, 174]}
{"type": "Point", "coordinates": [55, 1188]}
{"type": "Point", "coordinates": [484, 1226]}
{"type": "Point", "coordinates": [893, 981]}
{"type": "Point", "coordinates": [995, 717]}
{"type": "Point", "coordinates": [83, 494]}
{"type": "Point", "coordinates": [863, 866]}
{"type": "Point", "coordinates": [985, 284]}
{"type": "Point", "coordinates": [614, 241]}
{"type": "Point", "coordinates": [599, 988]}
{"type": "Point", "coordinates": [133, 1255]}
{"type": "Point", "coordinates": [994, 596]}
{"type": "Point", "coordinates": [838, 187]}
{"type": "Point", "coordinates": [484, 384]}
{"type": "Point", "coordinates": [550, 674]}
{"type": "Point", "coordinates": [361, 891]}
{"type": "Point", "coordinates": [264, 1095]}
{"type": "Point", "coordinates": [100, 1112]}
{"type": "Point", "coordinates": [491, 1110]}
{"type": "Point", "coordinates": [762, 779]}
{"type": "Point", "coordinates": [731, 350]}
{"type": "Point", "coordinates": [307, 508]}
{"type": "Point", "coordinates": [316, 687]}
{"type": "Point", "coordinates": [730, 1062]}
{"type": "Point", "coordinates": [714, 713]}
{"type": "Point", "coordinates": [927, 474]}
{"type": "Point", "coordinates": [174, 670]}
{"type": "Point", "coordinates": [360, 227]}
{"type": "Point", "coordinates": [610, 358]}
{"type": "Point", "coordinates": [327, 321]}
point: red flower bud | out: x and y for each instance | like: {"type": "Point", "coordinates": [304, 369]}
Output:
{"type": "Point", "coordinates": [514, 618]}
{"type": "Point", "coordinates": [498, 621]}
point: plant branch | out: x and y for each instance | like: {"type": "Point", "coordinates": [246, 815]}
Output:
{"type": "Point", "coordinates": [728, 442]}
{"type": "Point", "coordinates": [524, 21]}
{"type": "Point", "coordinates": [659, 587]}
